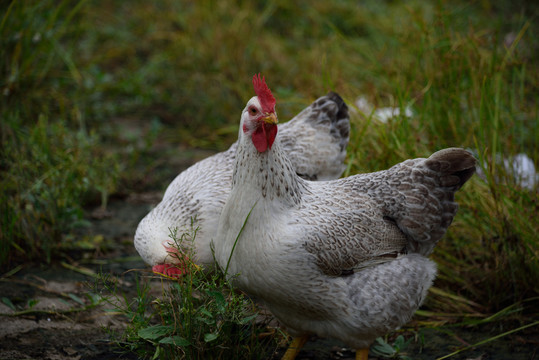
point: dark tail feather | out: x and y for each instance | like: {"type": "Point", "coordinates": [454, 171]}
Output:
{"type": "Point", "coordinates": [437, 179]}
{"type": "Point", "coordinates": [340, 127]}
{"type": "Point", "coordinates": [320, 154]}
{"type": "Point", "coordinates": [455, 165]}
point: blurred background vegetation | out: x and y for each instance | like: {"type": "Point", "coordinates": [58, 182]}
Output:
{"type": "Point", "coordinates": [97, 97]}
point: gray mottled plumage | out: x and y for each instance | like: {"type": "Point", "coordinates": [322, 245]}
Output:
{"type": "Point", "coordinates": [343, 258]}
{"type": "Point", "coordinates": [317, 138]}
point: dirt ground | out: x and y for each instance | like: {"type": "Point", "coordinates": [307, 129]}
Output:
{"type": "Point", "coordinates": [81, 334]}
{"type": "Point", "coordinates": [70, 334]}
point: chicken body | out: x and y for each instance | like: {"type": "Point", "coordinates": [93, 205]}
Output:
{"type": "Point", "coordinates": [317, 137]}
{"type": "Point", "coordinates": [344, 258]}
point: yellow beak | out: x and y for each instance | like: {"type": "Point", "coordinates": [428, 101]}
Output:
{"type": "Point", "coordinates": [271, 118]}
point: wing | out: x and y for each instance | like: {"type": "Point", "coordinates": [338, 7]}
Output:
{"type": "Point", "coordinates": [352, 223]}
{"type": "Point", "coordinates": [344, 229]}
{"type": "Point", "coordinates": [316, 139]}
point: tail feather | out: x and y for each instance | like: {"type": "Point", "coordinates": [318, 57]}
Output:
{"type": "Point", "coordinates": [428, 193]}
{"type": "Point", "coordinates": [456, 166]}
{"type": "Point", "coordinates": [341, 121]}
{"type": "Point", "coordinates": [319, 153]}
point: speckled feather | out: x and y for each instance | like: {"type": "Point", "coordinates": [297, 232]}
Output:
{"type": "Point", "coordinates": [316, 140]}
{"type": "Point", "coordinates": [343, 258]}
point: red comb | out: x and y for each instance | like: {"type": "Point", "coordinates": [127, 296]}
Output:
{"type": "Point", "coordinates": [264, 94]}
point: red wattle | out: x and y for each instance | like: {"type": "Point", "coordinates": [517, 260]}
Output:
{"type": "Point", "coordinates": [264, 136]}
{"type": "Point", "coordinates": [259, 139]}
{"type": "Point", "coordinates": [271, 133]}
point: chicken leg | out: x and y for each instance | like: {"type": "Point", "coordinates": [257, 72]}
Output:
{"type": "Point", "coordinates": [362, 354]}
{"type": "Point", "coordinates": [295, 347]}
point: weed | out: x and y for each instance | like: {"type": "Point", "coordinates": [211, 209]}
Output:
{"type": "Point", "coordinates": [393, 351]}
{"type": "Point", "coordinates": [49, 170]}
{"type": "Point", "coordinates": [196, 316]}
{"type": "Point", "coordinates": [50, 161]}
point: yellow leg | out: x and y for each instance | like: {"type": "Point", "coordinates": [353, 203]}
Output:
{"type": "Point", "coordinates": [362, 354]}
{"type": "Point", "coordinates": [295, 347]}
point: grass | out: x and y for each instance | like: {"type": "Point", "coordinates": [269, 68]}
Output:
{"type": "Point", "coordinates": [196, 316]}
{"type": "Point", "coordinates": [51, 168]}
{"type": "Point", "coordinates": [88, 88]}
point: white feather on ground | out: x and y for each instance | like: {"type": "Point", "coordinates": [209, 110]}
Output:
{"type": "Point", "coordinates": [382, 114]}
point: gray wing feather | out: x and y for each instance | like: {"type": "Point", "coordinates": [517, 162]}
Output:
{"type": "Point", "coordinates": [367, 219]}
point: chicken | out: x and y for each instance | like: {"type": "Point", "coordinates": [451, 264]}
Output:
{"type": "Point", "coordinates": [317, 137]}
{"type": "Point", "coordinates": [345, 258]}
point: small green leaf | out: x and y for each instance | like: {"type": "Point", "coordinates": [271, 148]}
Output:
{"type": "Point", "coordinates": [155, 332]}
{"type": "Point", "coordinates": [383, 348]}
{"type": "Point", "coordinates": [210, 337]}
{"type": "Point", "coordinates": [76, 298]}
{"type": "Point", "coordinates": [248, 319]}
{"type": "Point", "coordinates": [206, 312]}
{"type": "Point", "coordinates": [405, 345]}
{"type": "Point", "coordinates": [31, 303]}
{"type": "Point", "coordinates": [157, 352]}
{"type": "Point", "coordinates": [219, 300]}
{"type": "Point", "coordinates": [64, 302]}
{"type": "Point", "coordinates": [399, 340]}
{"type": "Point", "coordinates": [8, 302]}
{"type": "Point", "coordinates": [175, 340]}
{"type": "Point", "coordinates": [94, 298]}
{"type": "Point", "coordinates": [205, 320]}
{"type": "Point", "coordinates": [177, 287]}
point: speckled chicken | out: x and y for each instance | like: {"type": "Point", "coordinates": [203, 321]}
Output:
{"type": "Point", "coordinates": [345, 258]}
{"type": "Point", "coordinates": [316, 140]}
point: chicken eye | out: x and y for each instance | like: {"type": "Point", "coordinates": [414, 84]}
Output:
{"type": "Point", "coordinates": [253, 111]}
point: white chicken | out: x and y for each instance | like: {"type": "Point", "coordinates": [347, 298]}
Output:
{"type": "Point", "coordinates": [317, 137]}
{"type": "Point", "coordinates": [345, 258]}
